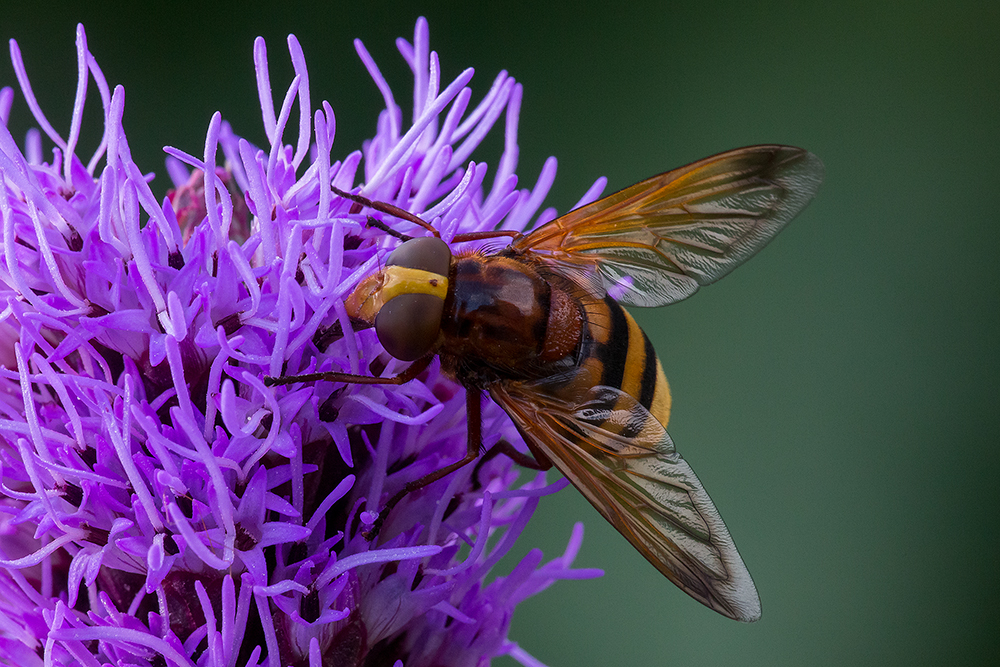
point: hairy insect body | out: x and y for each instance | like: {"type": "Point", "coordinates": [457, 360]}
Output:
{"type": "Point", "coordinates": [506, 321]}
{"type": "Point", "coordinates": [533, 325]}
{"type": "Point", "coordinates": [496, 316]}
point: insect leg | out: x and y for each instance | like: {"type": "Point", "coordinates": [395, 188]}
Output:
{"type": "Point", "coordinates": [412, 371]}
{"type": "Point", "coordinates": [474, 408]}
{"type": "Point", "coordinates": [535, 462]}
{"type": "Point", "coordinates": [325, 336]}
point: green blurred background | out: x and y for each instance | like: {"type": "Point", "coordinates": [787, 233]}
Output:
{"type": "Point", "coordinates": [838, 395]}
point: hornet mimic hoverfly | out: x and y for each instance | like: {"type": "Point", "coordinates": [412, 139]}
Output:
{"type": "Point", "coordinates": [534, 325]}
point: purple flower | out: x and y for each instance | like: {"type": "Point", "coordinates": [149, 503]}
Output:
{"type": "Point", "coordinates": [160, 505]}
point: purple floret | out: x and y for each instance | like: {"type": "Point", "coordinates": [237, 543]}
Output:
{"type": "Point", "coordinates": [159, 505]}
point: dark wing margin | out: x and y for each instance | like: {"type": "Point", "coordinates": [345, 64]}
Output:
{"type": "Point", "coordinates": [641, 485]}
{"type": "Point", "coordinates": [656, 242]}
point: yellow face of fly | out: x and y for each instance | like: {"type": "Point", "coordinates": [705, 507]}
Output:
{"type": "Point", "coordinates": [376, 290]}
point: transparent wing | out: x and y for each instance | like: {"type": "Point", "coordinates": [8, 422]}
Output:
{"type": "Point", "coordinates": [641, 485]}
{"type": "Point", "coordinates": [657, 241]}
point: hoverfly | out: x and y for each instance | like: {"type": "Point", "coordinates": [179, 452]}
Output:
{"type": "Point", "coordinates": [534, 325]}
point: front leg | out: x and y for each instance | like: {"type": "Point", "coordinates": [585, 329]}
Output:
{"type": "Point", "coordinates": [412, 371]}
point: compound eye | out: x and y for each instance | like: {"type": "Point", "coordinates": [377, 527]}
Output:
{"type": "Point", "coordinates": [427, 253]}
{"type": "Point", "coordinates": [408, 325]}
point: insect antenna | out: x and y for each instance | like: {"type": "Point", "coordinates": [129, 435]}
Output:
{"type": "Point", "coordinates": [381, 226]}
{"type": "Point", "coordinates": [403, 214]}
{"type": "Point", "coordinates": [383, 207]}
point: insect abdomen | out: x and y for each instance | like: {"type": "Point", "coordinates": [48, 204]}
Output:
{"type": "Point", "coordinates": [617, 353]}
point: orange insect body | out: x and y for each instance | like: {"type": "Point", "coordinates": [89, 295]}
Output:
{"type": "Point", "coordinates": [534, 326]}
